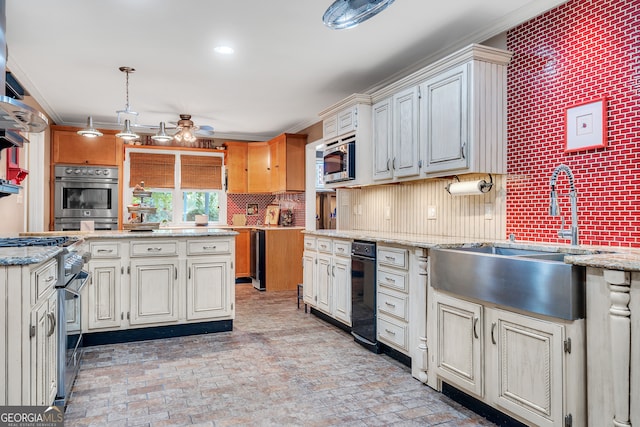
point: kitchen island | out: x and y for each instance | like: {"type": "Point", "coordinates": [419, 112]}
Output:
{"type": "Point", "coordinates": [159, 283]}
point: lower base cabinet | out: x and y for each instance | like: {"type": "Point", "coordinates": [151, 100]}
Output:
{"type": "Point", "coordinates": [519, 364]}
{"type": "Point", "coordinates": [327, 277]}
{"type": "Point", "coordinates": [138, 283]}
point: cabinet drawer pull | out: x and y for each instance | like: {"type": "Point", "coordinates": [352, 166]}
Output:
{"type": "Point", "coordinates": [390, 258]}
{"type": "Point", "coordinates": [390, 279]}
{"type": "Point", "coordinates": [50, 279]}
{"type": "Point", "coordinates": [154, 249]}
{"type": "Point", "coordinates": [493, 328]}
{"type": "Point", "coordinates": [52, 324]}
{"type": "Point", "coordinates": [475, 327]}
{"type": "Point", "coordinates": [323, 246]}
{"type": "Point", "coordinates": [389, 332]}
{"type": "Point", "coordinates": [102, 251]}
{"type": "Point", "coordinates": [209, 247]}
{"type": "Point", "coordinates": [340, 249]}
{"type": "Point", "coordinates": [390, 304]}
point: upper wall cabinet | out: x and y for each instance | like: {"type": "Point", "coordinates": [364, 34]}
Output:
{"type": "Point", "coordinates": [340, 123]}
{"type": "Point", "coordinates": [463, 126]}
{"type": "Point", "coordinates": [447, 118]}
{"type": "Point", "coordinates": [235, 161]}
{"type": "Point", "coordinates": [287, 161]}
{"type": "Point", "coordinates": [395, 136]}
{"type": "Point", "coordinates": [344, 120]}
{"type": "Point", "coordinates": [67, 147]}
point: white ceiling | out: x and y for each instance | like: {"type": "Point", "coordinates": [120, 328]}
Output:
{"type": "Point", "coordinates": [287, 65]}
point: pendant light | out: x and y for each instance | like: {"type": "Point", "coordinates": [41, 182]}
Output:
{"type": "Point", "coordinates": [343, 14]}
{"type": "Point", "coordinates": [127, 108]}
{"type": "Point", "coordinates": [162, 136]}
{"type": "Point", "coordinates": [89, 131]}
{"type": "Point", "coordinates": [127, 134]}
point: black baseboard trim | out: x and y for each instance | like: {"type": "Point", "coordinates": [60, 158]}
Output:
{"type": "Point", "coordinates": [330, 319]}
{"type": "Point", "coordinates": [480, 408]}
{"type": "Point", "coordinates": [156, 332]}
{"type": "Point", "coordinates": [243, 280]}
{"type": "Point", "coordinates": [396, 355]}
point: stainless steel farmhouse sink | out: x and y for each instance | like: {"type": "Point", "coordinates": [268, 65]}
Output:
{"type": "Point", "coordinates": [535, 281]}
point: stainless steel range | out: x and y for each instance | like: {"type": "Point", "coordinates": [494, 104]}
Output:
{"type": "Point", "coordinates": [72, 278]}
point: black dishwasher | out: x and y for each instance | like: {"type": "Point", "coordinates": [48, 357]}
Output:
{"type": "Point", "coordinates": [363, 294]}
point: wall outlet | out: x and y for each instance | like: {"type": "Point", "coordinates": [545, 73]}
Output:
{"type": "Point", "coordinates": [387, 212]}
{"type": "Point", "coordinates": [431, 212]}
{"type": "Point", "coordinates": [359, 209]}
{"type": "Point", "coordinates": [488, 211]}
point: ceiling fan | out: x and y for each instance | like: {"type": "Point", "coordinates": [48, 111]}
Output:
{"type": "Point", "coordinates": [186, 133]}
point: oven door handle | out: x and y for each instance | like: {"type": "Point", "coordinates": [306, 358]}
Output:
{"type": "Point", "coordinates": [85, 277]}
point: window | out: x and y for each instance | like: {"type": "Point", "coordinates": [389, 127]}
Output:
{"type": "Point", "coordinates": [182, 184]}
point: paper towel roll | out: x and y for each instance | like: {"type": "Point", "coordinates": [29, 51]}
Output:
{"type": "Point", "coordinates": [466, 188]}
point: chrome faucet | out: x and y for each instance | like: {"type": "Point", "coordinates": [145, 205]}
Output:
{"type": "Point", "coordinates": [569, 233]}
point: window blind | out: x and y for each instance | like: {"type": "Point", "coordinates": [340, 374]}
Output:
{"type": "Point", "coordinates": [201, 172]}
{"type": "Point", "coordinates": [156, 170]}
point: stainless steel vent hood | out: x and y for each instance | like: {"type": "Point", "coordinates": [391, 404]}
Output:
{"type": "Point", "coordinates": [14, 114]}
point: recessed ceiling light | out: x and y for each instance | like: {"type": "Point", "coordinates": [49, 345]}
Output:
{"type": "Point", "coordinates": [225, 50]}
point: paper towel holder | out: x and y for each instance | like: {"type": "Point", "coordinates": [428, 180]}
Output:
{"type": "Point", "coordinates": [482, 185]}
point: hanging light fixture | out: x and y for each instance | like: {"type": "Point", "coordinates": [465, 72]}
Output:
{"type": "Point", "coordinates": [162, 136]}
{"type": "Point", "coordinates": [90, 131]}
{"type": "Point", "coordinates": [343, 14]}
{"type": "Point", "coordinates": [187, 130]}
{"type": "Point", "coordinates": [127, 109]}
{"type": "Point", "coordinates": [127, 134]}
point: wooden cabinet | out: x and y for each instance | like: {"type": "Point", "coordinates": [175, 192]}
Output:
{"type": "Point", "coordinates": [235, 159]}
{"type": "Point", "coordinates": [309, 274]}
{"type": "Point", "coordinates": [522, 365]}
{"type": "Point", "coordinates": [283, 251]}
{"type": "Point", "coordinates": [243, 252]}
{"type": "Point", "coordinates": [259, 168]}
{"type": "Point", "coordinates": [340, 123]}
{"type": "Point", "coordinates": [395, 136]}
{"type": "Point", "coordinates": [323, 284]}
{"type": "Point", "coordinates": [287, 161]}
{"type": "Point", "coordinates": [44, 347]}
{"type": "Point", "coordinates": [68, 147]}
{"type": "Point", "coordinates": [341, 282]}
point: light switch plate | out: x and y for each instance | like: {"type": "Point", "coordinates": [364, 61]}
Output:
{"type": "Point", "coordinates": [431, 212]}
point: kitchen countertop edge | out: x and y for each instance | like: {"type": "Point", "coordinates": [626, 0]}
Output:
{"type": "Point", "coordinates": [607, 257]}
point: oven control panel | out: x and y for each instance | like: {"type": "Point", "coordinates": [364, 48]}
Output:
{"type": "Point", "coordinates": [86, 171]}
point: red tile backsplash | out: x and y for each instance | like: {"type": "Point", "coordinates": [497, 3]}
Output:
{"type": "Point", "coordinates": [577, 52]}
{"type": "Point", "coordinates": [237, 204]}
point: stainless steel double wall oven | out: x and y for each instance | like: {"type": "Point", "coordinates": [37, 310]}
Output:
{"type": "Point", "coordinates": [85, 193]}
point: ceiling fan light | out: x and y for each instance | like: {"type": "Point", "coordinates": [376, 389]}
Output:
{"type": "Point", "coordinates": [162, 136]}
{"type": "Point", "coordinates": [127, 134]}
{"type": "Point", "coordinates": [344, 14]}
{"type": "Point", "coordinates": [90, 131]}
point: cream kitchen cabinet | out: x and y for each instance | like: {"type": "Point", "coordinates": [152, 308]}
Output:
{"type": "Point", "coordinates": [29, 324]}
{"type": "Point", "coordinates": [44, 349]}
{"type": "Point", "coordinates": [393, 297]}
{"type": "Point", "coordinates": [463, 118]}
{"type": "Point", "coordinates": [210, 270]}
{"type": "Point", "coordinates": [327, 277]}
{"type": "Point", "coordinates": [154, 289]}
{"type": "Point", "coordinates": [144, 282]}
{"type": "Point", "coordinates": [350, 119]}
{"type": "Point", "coordinates": [519, 364]}
{"type": "Point", "coordinates": [395, 136]}
{"type": "Point", "coordinates": [340, 123]}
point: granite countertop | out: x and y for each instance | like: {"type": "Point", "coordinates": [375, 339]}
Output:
{"type": "Point", "coordinates": [27, 255]}
{"type": "Point", "coordinates": [608, 257]}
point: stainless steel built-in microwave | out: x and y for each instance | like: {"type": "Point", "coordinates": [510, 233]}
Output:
{"type": "Point", "coordinates": [340, 162]}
